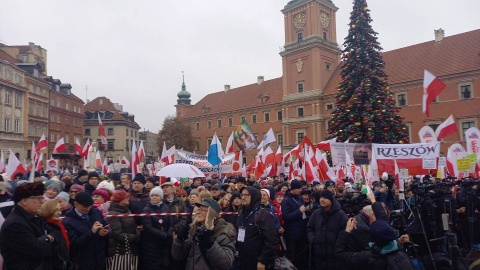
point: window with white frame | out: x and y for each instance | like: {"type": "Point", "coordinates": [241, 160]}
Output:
{"type": "Point", "coordinates": [401, 99]}
{"type": "Point", "coordinates": [209, 124]}
{"type": "Point", "coordinates": [52, 118]}
{"type": "Point", "coordinates": [219, 123]}
{"type": "Point", "coordinates": [52, 137]}
{"type": "Point", "coordinates": [300, 135]}
{"type": "Point", "coordinates": [466, 124]}
{"type": "Point", "coordinates": [58, 103]}
{"type": "Point", "coordinates": [30, 129]}
{"type": "Point", "coordinates": [67, 138]}
{"type": "Point", "coordinates": [37, 130]}
{"type": "Point", "coordinates": [465, 91]}
{"type": "Point", "coordinates": [230, 121]}
{"type": "Point", "coordinates": [280, 139]}
{"type": "Point", "coordinates": [300, 87]}
{"type": "Point", "coordinates": [254, 118]}
{"type": "Point", "coordinates": [279, 115]}
{"type": "Point", "coordinates": [16, 125]}
{"type": "Point", "coordinates": [197, 125]}
{"type": "Point", "coordinates": [18, 100]}
{"type": "Point", "coordinates": [67, 106]}
{"type": "Point", "coordinates": [58, 119]}
{"type": "Point", "coordinates": [267, 117]}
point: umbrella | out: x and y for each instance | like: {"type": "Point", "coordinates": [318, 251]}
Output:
{"type": "Point", "coordinates": [180, 170]}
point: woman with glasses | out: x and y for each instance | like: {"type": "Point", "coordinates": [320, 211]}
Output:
{"type": "Point", "coordinates": [74, 189]}
{"type": "Point", "coordinates": [157, 233]}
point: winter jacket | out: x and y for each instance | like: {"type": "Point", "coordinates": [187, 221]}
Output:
{"type": "Point", "coordinates": [23, 241]}
{"type": "Point", "coordinates": [373, 259]}
{"type": "Point", "coordinates": [260, 238]}
{"type": "Point", "coordinates": [137, 202]}
{"type": "Point", "coordinates": [322, 231]}
{"type": "Point", "coordinates": [360, 237]}
{"type": "Point", "coordinates": [220, 255]}
{"type": "Point", "coordinates": [88, 250]}
{"type": "Point", "coordinates": [60, 249]}
{"type": "Point", "coordinates": [123, 227]}
{"type": "Point", "coordinates": [176, 206]}
{"type": "Point", "coordinates": [89, 188]}
{"type": "Point", "coordinates": [295, 224]}
{"type": "Point", "coordinates": [7, 204]}
{"type": "Point", "coordinates": [272, 211]}
{"type": "Point", "coordinates": [156, 238]}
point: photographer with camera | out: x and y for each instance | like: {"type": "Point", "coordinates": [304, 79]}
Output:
{"type": "Point", "coordinates": [210, 244]}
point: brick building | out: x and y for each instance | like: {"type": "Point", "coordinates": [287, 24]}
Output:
{"type": "Point", "coordinates": [300, 102]}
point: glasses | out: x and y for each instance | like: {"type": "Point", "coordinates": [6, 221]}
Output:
{"type": "Point", "coordinates": [73, 191]}
{"type": "Point", "coordinates": [245, 195]}
{"type": "Point", "coordinates": [201, 210]}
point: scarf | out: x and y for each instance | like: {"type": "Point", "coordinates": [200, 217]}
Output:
{"type": "Point", "coordinates": [62, 229]}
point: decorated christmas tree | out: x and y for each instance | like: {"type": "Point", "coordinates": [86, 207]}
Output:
{"type": "Point", "coordinates": [365, 109]}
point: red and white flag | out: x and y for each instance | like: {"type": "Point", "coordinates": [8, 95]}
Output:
{"type": "Point", "coordinates": [78, 147]}
{"type": "Point", "coordinates": [125, 161]}
{"type": "Point", "coordinates": [324, 170]}
{"type": "Point", "coordinates": [105, 166]}
{"type": "Point", "coordinates": [164, 157]}
{"type": "Point", "coordinates": [14, 166]}
{"type": "Point", "coordinates": [59, 146]}
{"type": "Point", "coordinates": [39, 167]}
{"type": "Point", "coordinates": [446, 128]}
{"type": "Point", "coordinates": [269, 138]}
{"type": "Point", "coordinates": [229, 148]}
{"type": "Point", "coordinates": [135, 161]}
{"type": "Point", "coordinates": [86, 148]}
{"type": "Point", "coordinates": [325, 145]}
{"type": "Point", "coordinates": [2, 163]}
{"type": "Point", "coordinates": [268, 157]}
{"type": "Point", "coordinates": [42, 144]}
{"type": "Point", "coordinates": [102, 131]}
{"type": "Point", "coordinates": [432, 86]}
{"type": "Point", "coordinates": [98, 160]}
{"type": "Point", "coordinates": [141, 151]}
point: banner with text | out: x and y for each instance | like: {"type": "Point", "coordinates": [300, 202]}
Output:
{"type": "Point", "coordinates": [361, 153]}
{"type": "Point", "coordinates": [200, 161]}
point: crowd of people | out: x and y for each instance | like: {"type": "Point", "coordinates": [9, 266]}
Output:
{"type": "Point", "coordinates": [84, 221]}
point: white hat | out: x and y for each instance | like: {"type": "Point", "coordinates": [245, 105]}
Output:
{"type": "Point", "coordinates": [157, 191]}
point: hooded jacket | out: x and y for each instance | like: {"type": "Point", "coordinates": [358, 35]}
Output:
{"type": "Point", "coordinates": [295, 224]}
{"type": "Point", "coordinates": [322, 231]}
{"type": "Point", "coordinates": [220, 255]}
{"type": "Point", "coordinates": [260, 238]}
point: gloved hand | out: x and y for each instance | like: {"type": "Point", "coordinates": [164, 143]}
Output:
{"type": "Point", "coordinates": [183, 233]}
{"type": "Point", "coordinates": [204, 239]}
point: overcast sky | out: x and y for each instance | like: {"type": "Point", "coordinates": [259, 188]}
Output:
{"type": "Point", "coordinates": [134, 51]}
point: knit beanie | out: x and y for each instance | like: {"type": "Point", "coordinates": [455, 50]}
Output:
{"type": "Point", "coordinates": [63, 195]}
{"type": "Point", "coordinates": [57, 185]}
{"type": "Point", "coordinates": [266, 191]}
{"type": "Point", "coordinates": [101, 192]}
{"type": "Point", "coordinates": [329, 183]}
{"type": "Point", "coordinates": [326, 194]}
{"type": "Point", "coordinates": [295, 184]}
{"type": "Point", "coordinates": [119, 195]}
{"type": "Point", "coordinates": [382, 233]}
{"type": "Point", "coordinates": [77, 187]}
{"type": "Point", "coordinates": [140, 178]}
{"type": "Point", "coordinates": [157, 191]}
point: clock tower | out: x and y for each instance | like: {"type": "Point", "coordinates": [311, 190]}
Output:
{"type": "Point", "coordinates": [309, 58]}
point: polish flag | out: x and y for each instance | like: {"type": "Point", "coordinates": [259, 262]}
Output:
{"type": "Point", "coordinates": [294, 151]}
{"type": "Point", "coordinates": [350, 166]}
{"type": "Point", "coordinates": [325, 145]}
{"type": "Point", "coordinates": [59, 146]}
{"type": "Point", "coordinates": [105, 166]}
{"type": "Point", "coordinates": [269, 138]}
{"type": "Point", "coordinates": [78, 147]}
{"type": "Point", "coordinates": [102, 131]}
{"type": "Point", "coordinates": [432, 86]}
{"type": "Point", "coordinates": [278, 155]}
{"type": "Point", "coordinates": [229, 148]}
{"type": "Point", "coordinates": [171, 155]}
{"type": "Point", "coordinates": [42, 144]}
{"type": "Point", "coordinates": [141, 151]}
{"type": "Point", "coordinates": [86, 148]}
{"type": "Point", "coordinates": [259, 165]}
{"type": "Point", "coordinates": [2, 163]}
{"type": "Point", "coordinates": [98, 160]}
{"type": "Point", "coordinates": [125, 161]}
{"type": "Point", "coordinates": [135, 161]}
{"type": "Point", "coordinates": [33, 154]}
{"type": "Point", "coordinates": [165, 155]}
{"type": "Point", "coordinates": [325, 171]}
{"type": "Point", "coordinates": [446, 128]}
{"type": "Point", "coordinates": [39, 167]}
{"type": "Point", "coordinates": [14, 166]}
{"type": "Point", "coordinates": [268, 156]}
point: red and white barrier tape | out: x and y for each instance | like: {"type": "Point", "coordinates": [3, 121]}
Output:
{"type": "Point", "coordinates": [161, 214]}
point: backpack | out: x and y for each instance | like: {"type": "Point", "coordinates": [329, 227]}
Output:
{"type": "Point", "coordinates": [399, 260]}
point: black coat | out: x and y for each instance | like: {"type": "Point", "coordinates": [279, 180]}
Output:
{"type": "Point", "coordinates": [322, 231]}
{"type": "Point", "coordinates": [261, 238]}
{"type": "Point", "coordinates": [122, 228]}
{"type": "Point", "coordinates": [360, 237]}
{"type": "Point", "coordinates": [176, 206]}
{"type": "Point", "coordinates": [295, 224]}
{"type": "Point", "coordinates": [60, 249]}
{"type": "Point", "coordinates": [87, 250]}
{"type": "Point", "coordinates": [156, 238]}
{"type": "Point", "coordinates": [23, 241]}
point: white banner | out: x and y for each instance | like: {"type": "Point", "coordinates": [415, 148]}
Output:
{"type": "Point", "coordinates": [361, 153]}
{"type": "Point", "coordinates": [427, 135]}
{"type": "Point", "coordinates": [406, 151]}
{"type": "Point", "coordinates": [200, 161]}
{"type": "Point", "coordinates": [472, 137]}
{"type": "Point", "coordinates": [52, 165]}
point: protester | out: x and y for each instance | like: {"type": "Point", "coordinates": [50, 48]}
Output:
{"type": "Point", "coordinates": [210, 244]}
{"type": "Point", "coordinates": [174, 205]}
{"type": "Point", "coordinates": [92, 182]}
{"type": "Point", "coordinates": [88, 234]}
{"type": "Point", "coordinates": [82, 177]}
{"type": "Point", "coordinates": [62, 199]}
{"type": "Point", "coordinates": [225, 201]}
{"type": "Point", "coordinates": [139, 196]}
{"type": "Point", "coordinates": [234, 206]}
{"type": "Point", "coordinates": [125, 182]}
{"type": "Point", "coordinates": [53, 189]}
{"type": "Point", "coordinates": [265, 203]}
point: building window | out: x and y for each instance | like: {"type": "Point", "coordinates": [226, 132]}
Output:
{"type": "Point", "coordinates": [24, 58]}
{"type": "Point", "coordinates": [279, 115]}
{"type": "Point", "coordinates": [30, 129]}
{"type": "Point", "coordinates": [127, 131]}
{"type": "Point", "coordinates": [38, 110]}
{"type": "Point", "coordinates": [16, 125]}
{"type": "Point", "coordinates": [300, 87]}
{"type": "Point", "coordinates": [299, 37]}
{"type": "Point", "coordinates": [267, 117]}
{"type": "Point", "coordinates": [197, 125]}
{"type": "Point", "coordinates": [465, 91]}
{"type": "Point", "coordinates": [110, 131]}
{"type": "Point", "coordinates": [74, 108]}
{"type": "Point", "coordinates": [37, 132]}
{"type": "Point", "coordinates": [52, 137]}
{"type": "Point", "coordinates": [18, 99]}
{"type": "Point", "coordinates": [66, 106]}
{"type": "Point", "coordinates": [329, 106]}
{"type": "Point", "coordinates": [8, 75]}
{"type": "Point", "coordinates": [7, 124]}
{"type": "Point", "coordinates": [31, 88]}
{"type": "Point", "coordinates": [67, 138]}
{"type": "Point", "coordinates": [52, 118]}
{"type": "Point", "coordinates": [209, 124]}
{"type": "Point", "coordinates": [45, 111]}
{"type": "Point", "coordinates": [466, 124]}
{"type": "Point", "coordinates": [254, 118]}
{"type": "Point", "coordinates": [67, 121]}
{"type": "Point", "coordinates": [52, 102]}
{"type": "Point", "coordinates": [300, 112]}
{"type": "Point", "coordinates": [127, 143]}
{"type": "Point", "coordinates": [58, 119]}
{"type": "Point", "coordinates": [401, 99]}
{"type": "Point", "coordinates": [18, 78]}
{"type": "Point", "coordinates": [131, 132]}
{"type": "Point", "coordinates": [328, 66]}
{"type": "Point", "coordinates": [434, 126]}
{"type": "Point", "coordinates": [7, 97]}
{"type": "Point", "coordinates": [87, 132]}
{"type": "Point", "coordinates": [219, 123]}
{"type": "Point", "coordinates": [44, 130]}
{"type": "Point", "coordinates": [325, 35]}
{"type": "Point", "coordinates": [58, 103]}
{"type": "Point", "coordinates": [300, 136]}
{"type": "Point", "coordinates": [243, 118]}
{"type": "Point", "coordinates": [209, 142]}
{"type": "Point", "coordinates": [280, 139]}
{"type": "Point", "coordinates": [230, 121]}
{"type": "Point", "coordinates": [58, 138]}
{"type": "Point", "coordinates": [110, 145]}
{"type": "Point", "coordinates": [198, 145]}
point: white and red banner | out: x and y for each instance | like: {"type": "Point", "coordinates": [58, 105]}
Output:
{"type": "Point", "coordinates": [456, 153]}
{"type": "Point", "coordinates": [14, 166]}
{"type": "Point", "coordinates": [231, 163]}
{"type": "Point", "coordinates": [59, 146]}
{"type": "Point", "coordinates": [427, 135]}
{"type": "Point", "coordinates": [472, 137]}
{"type": "Point", "coordinates": [361, 153]}
{"type": "Point", "coordinates": [407, 156]}
{"type": "Point", "coordinates": [446, 128]}
{"type": "Point", "coordinates": [102, 131]}
{"type": "Point", "coordinates": [52, 165]}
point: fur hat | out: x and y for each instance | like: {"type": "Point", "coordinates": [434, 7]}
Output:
{"type": "Point", "coordinates": [382, 233]}
{"type": "Point", "coordinates": [101, 192]}
{"type": "Point", "coordinates": [119, 195]}
{"type": "Point", "coordinates": [28, 190]}
{"type": "Point", "coordinates": [63, 195]}
{"type": "Point", "coordinates": [108, 186]}
{"type": "Point", "coordinates": [157, 191]}
{"type": "Point", "coordinates": [84, 199]}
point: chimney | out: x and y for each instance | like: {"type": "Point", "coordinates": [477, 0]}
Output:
{"type": "Point", "coordinates": [439, 35]}
{"type": "Point", "coordinates": [226, 87]}
{"type": "Point", "coordinates": [260, 79]}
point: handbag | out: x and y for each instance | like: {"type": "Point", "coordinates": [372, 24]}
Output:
{"type": "Point", "coordinates": [126, 261]}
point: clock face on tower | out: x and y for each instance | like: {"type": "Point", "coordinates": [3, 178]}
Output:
{"type": "Point", "coordinates": [299, 20]}
{"type": "Point", "coordinates": [324, 19]}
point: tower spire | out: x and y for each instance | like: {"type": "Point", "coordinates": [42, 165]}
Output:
{"type": "Point", "coordinates": [183, 95]}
